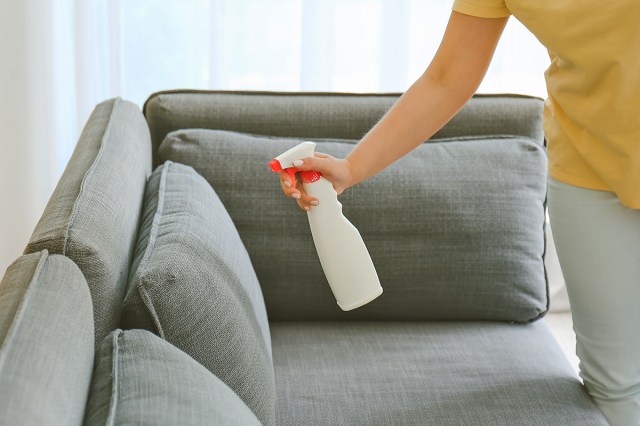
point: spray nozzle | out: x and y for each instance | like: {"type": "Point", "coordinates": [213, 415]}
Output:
{"type": "Point", "coordinates": [285, 162]}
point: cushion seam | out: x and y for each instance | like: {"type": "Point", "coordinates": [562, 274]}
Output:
{"type": "Point", "coordinates": [151, 244]}
{"type": "Point", "coordinates": [541, 314]}
{"type": "Point", "coordinates": [87, 176]}
{"type": "Point", "coordinates": [148, 302]}
{"type": "Point", "coordinates": [157, 217]}
{"type": "Point", "coordinates": [171, 136]}
{"type": "Point", "coordinates": [114, 380]}
{"type": "Point", "coordinates": [22, 307]}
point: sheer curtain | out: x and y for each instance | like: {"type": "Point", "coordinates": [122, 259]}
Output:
{"type": "Point", "coordinates": [59, 58]}
{"type": "Point", "coordinates": [62, 57]}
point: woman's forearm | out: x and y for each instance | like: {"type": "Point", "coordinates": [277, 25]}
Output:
{"type": "Point", "coordinates": [450, 80]}
{"type": "Point", "coordinates": [419, 113]}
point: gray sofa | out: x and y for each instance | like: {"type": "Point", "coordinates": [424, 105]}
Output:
{"type": "Point", "coordinates": [169, 281]}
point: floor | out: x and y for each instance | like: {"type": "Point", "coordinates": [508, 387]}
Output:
{"type": "Point", "coordinates": [562, 327]}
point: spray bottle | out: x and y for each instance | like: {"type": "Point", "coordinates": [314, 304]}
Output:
{"type": "Point", "coordinates": [343, 255]}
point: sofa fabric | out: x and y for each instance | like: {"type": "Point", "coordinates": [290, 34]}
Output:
{"type": "Point", "coordinates": [93, 213]}
{"type": "Point", "coordinates": [455, 228]}
{"type": "Point", "coordinates": [227, 315]}
{"type": "Point", "coordinates": [46, 342]}
{"type": "Point", "coordinates": [425, 373]}
{"type": "Point", "coordinates": [193, 283]}
{"type": "Point", "coordinates": [326, 115]}
{"type": "Point", "coordinates": [143, 380]}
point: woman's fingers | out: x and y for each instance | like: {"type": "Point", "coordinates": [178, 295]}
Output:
{"type": "Point", "coordinates": [305, 201]}
{"type": "Point", "coordinates": [320, 162]}
{"type": "Point", "coordinates": [288, 187]}
{"type": "Point", "coordinates": [297, 192]}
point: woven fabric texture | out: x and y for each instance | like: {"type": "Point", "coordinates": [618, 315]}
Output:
{"type": "Point", "coordinates": [46, 342]}
{"type": "Point", "coordinates": [193, 283]}
{"type": "Point", "coordinates": [93, 213]}
{"type": "Point", "coordinates": [143, 380]}
{"type": "Point", "coordinates": [426, 373]}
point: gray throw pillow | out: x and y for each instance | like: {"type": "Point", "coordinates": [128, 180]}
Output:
{"type": "Point", "coordinates": [46, 342]}
{"type": "Point", "coordinates": [143, 380]}
{"type": "Point", "coordinates": [192, 283]}
{"type": "Point", "coordinates": [455, 228]}
{"type": "Point", "coordinates": [94, 211]}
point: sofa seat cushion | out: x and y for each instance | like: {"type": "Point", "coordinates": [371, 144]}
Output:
{"type": "Point", "coordinates": [144, 380]}
{"type": "Point", "coordinates": [455, 228]}
{"type": "Point", "coordinates": [192, 283]}
{"type": "Point", "coordinates": [93, 213]}
{"type": "Point", "coordinates": [425, 373]}
{"type": "Point", "coordinates": [46, 341]}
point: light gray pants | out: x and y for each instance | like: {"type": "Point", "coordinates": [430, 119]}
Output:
{"type": "Point", "coordinates": [598, 243]}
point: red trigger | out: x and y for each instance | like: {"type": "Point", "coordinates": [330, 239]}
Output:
{"type": "Point", "coordinates": [309, 176]}
{"type": "Point", "coordinates": [291, 171]}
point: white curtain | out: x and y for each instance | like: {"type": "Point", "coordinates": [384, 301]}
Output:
{"type": "Point", "coordinates": [62, 57]}
{"type": "Point", "coordinates": [59, 58]}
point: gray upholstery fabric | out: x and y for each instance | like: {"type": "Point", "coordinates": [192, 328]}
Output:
{"type": "Point", "coordinates": [455, 228]}
{"type": "Point", "coordinates": [93, 213]}
{"type": "Point", "coordinates": [192, 282]}
{"type": "Point", "coordinates": [46, 342]}
{"type": "Point", "coordinates": [326, 115]}
{"type": "Point", "coordinates": [425, 373]}
{"type": "Point", "coordinates": [143, 380]}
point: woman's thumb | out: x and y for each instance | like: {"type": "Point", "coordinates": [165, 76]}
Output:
{"type": "Point", "coordinates": [312, 163]}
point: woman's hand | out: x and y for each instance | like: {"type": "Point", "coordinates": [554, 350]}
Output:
{"type": "Point", "coordinates": [337, 171]}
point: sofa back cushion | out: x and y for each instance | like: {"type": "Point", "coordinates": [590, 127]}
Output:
{"type": "Point", "coordinates": [192, 283]}
{"type": "Point", "coordinates": [93, 213]}
{"type": "Point", "coordinates": [325, 115]}
{"type": "Point", "coordinates": [455, 228]}
{"type": "Point", "coordinates": [140, 378]}
{"type": "Point", "coordinates": [46, 341]}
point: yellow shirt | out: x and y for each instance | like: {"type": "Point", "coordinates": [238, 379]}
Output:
{"type": "Point", "coordinates": [592, 113]}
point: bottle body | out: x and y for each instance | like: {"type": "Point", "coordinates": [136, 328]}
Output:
{"type": "Point", "coordinates": [343, 255]}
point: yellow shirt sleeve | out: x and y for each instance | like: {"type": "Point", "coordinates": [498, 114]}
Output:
{"type": "Point", "coordinates": [482, 8]}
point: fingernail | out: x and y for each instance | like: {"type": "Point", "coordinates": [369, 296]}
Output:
{"type": "Point", "coordinates": [287, 184]}
{"type": "Point", "coordinates": [298, 163]}
{"type": "Point", "coordinates": [314, 203]}
{"type": "Point", "coordinates": [307, 208]}
{"type": "Point", "coordinates": [296, 195]}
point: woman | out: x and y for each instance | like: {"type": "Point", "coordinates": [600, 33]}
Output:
{"type": "Point", "coordinates": [592, 126]}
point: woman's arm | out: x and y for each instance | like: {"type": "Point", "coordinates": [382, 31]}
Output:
{"type": "Point", "coordinates": [450, 80]}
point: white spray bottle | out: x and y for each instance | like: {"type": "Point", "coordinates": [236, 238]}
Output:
{"type": "Point", "coordinates": [343, 255]}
